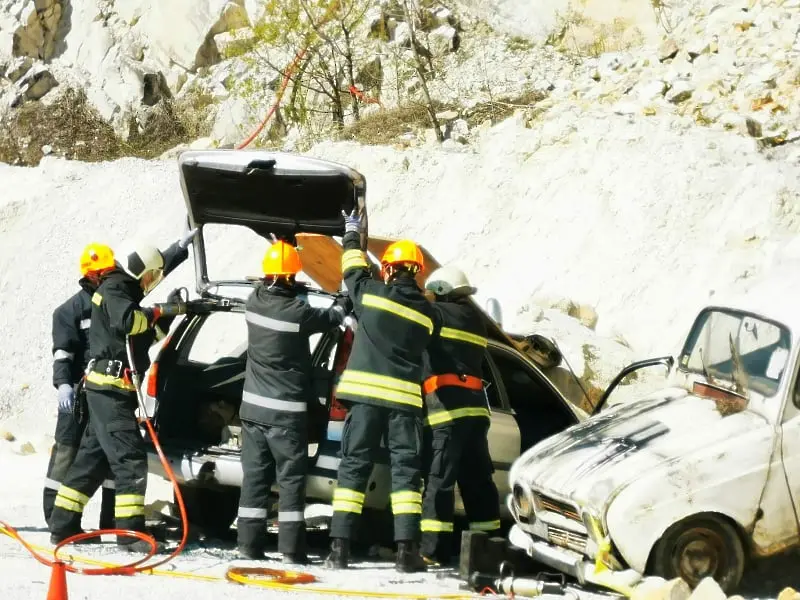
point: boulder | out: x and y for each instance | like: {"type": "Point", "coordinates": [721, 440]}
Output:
{"type": "Point", "coordinates": [34, 85]}
{"type": "Point", "coordinates": [444, 16]}
{"type": "Point", "coordinates": [655, 588]}
{"type": "Point", "coordinates": [37, 35]}
{"type": "Point", "coordinates": [18, 68]}
{"type": "Point", "coordinates": [680, 91]}
{"type": "Point", "coordinates": [442, 40]}
{"type": "Point", "coordinates": [648, 588]}
{"type": "Point", "coordinates": [191, 45]}
{"type": "Point", "coordinates": [585, 314]}
{"type": "Point", "coordinates": [402, 35]}
{"type": "Point", "coordinates": [668, 49]}
{"type": "Point", "coordinates": [458, 130]}
{"type": "Point", "coordinates": [708, 589]}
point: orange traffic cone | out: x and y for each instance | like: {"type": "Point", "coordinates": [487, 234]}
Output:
{"type": "Point", "coordinates": [58, 582]}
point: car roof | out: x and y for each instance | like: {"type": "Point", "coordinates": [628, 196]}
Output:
{"type": "Point", "coordinates": [771, 298]}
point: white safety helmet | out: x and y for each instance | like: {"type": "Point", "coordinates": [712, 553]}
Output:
{"type": "Point", "coordinates": [449, 280]}
{"type": "Point", "coordinates": [144, 262]}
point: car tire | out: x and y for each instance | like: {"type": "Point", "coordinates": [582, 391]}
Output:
{"type": "Point", "coordinates": [698, 547]}
{"type": "Point", "coordinates": [211, 509]}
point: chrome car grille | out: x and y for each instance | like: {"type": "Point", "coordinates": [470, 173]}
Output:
{"type": "Point", "coordinates": [556, 506]}
{"type": "Point", "coordinates": [568, 539]}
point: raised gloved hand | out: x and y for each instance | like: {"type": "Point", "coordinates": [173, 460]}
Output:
{"type": "Point", "coordinates": [352, 222]}
{"type": "Point", "coordinates": [187, 237]}
{"type": "Point", "coordinates": [66, 398]}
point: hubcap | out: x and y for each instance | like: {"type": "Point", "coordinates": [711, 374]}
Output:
{"type": "Point", "coordinates": [699, 553]}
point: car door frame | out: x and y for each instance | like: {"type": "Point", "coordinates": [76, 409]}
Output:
{"type": "Point", "coordinates": [790, 413]}
{"type": "Point", "coordinates": [667, 361]}
{"type": "Point", "coordinates": [578, 413]}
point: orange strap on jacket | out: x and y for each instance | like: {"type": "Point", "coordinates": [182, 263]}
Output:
{"type": "Point", "coordinates": [465, 381]}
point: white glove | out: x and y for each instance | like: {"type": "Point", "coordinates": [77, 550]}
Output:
{"type": "Point", "coordinates": [352, 222]}
{"type": "Point", "coordinates": [187, 237]}
{"type": "Point", "coordinates": [66, 398]}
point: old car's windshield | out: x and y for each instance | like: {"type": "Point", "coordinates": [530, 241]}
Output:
{"type": "Point", "coordinates": [737, 349]}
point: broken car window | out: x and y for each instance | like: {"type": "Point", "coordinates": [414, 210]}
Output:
{"type": "Point", "coordinates": [738, 350]}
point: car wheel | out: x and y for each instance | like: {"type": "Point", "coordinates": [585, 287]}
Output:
{"type": "Point", "coordinates": [211, 509]}
{"type": "Point", "coordinates": [699, 547]}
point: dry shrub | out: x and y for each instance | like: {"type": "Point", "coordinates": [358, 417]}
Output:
{"type": "Point", "coordinates": [386, 125]}
{"type": "Point", "coordinates": [502, 108]}
{"type": "Point", "coordinates": [69, 125]}
{"type": "Point", "coordinates": [75, 130]}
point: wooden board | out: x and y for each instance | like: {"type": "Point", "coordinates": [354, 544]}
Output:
{"type": "Point", "coordinates": [321, 256]}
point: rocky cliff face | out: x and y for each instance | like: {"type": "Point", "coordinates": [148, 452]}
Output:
{"type": "Point", "coordinates": [129, 57]}
{"type": "Point", "coordinates": [622, 160]}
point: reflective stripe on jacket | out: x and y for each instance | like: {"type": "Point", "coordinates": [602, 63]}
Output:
{"type": "Point", "coordinates": [453, 369]}
{"type": "Point", "coordinates": [278, 382]}
{"type": "Point", "coordinates": [395, 324]}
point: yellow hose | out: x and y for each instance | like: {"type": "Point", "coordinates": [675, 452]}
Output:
{"type": "Point", "coordinates": [254, 577]}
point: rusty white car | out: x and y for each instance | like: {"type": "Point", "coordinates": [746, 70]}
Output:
{"type": "Point", "coordinates": [695, 480]}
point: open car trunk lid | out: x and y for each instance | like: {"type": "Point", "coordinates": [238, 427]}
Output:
{"type": "Point", "coordinates": [269, 192]}
{"type": "Point", "coordinates": [294, 197]}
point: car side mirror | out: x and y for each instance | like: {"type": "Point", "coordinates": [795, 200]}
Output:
{"type": "Point", "coordinates": [494, 310]}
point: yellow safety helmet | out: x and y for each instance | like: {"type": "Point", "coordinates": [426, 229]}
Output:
{"type": "Point", "coordinates": [96, 257]}
{"type": "Point", "coordinates": [403, 252]}
{"type": "Point", "coordinates": [281, 259]}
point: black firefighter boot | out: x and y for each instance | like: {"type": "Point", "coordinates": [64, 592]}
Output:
{"type": "Point", "coordinates": [340, 554]}
{"type": "Point", "coordinates": [409, 559]}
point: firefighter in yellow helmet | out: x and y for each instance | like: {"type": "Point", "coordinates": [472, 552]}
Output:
{"type": "Point", "coordinates": [70, 357]}
{"type": "Point", "coordinates": [112, 438]}
{"type": "Point", "coordinates": [278, 389]}
{"type": "Point", "coordinates": [381, 388]}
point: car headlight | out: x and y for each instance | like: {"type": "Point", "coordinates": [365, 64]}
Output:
{"type": "Point", "coordinates": [523, 503]}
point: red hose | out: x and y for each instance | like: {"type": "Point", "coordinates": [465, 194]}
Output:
{"type": "Point", "coordinates": [126, 569]}
{"type": "Point", "coordinates": [287, 76]}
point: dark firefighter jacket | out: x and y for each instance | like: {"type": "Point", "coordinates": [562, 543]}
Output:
{"type": "Point", "coordinates": [453, 365]}
{"type": "Point", "coordinates": [395, 324]}
{"type": "Point", "coordinates": [278, 383]}
{"type": "Point", "coordinates": [70, 335]}
{"type": "Point", "coordinates": [116, 314]}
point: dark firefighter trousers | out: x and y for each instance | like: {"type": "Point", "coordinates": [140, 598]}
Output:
{"type": "Point", "coordinates": [457, 452]}
{"type": "Point", "coordinates": [111, 440]}
{"type": "Point", "coordinates": [62, 455]}
{"type": "Point", "coordinates": [364, 427]}
{"type": "Point", "coordinates": [270, 453]}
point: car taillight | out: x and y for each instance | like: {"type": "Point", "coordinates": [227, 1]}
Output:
{"type": "Point", "coordinates": [338, 412]}
{"type": "Point", "coordinates": [152, 380]}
